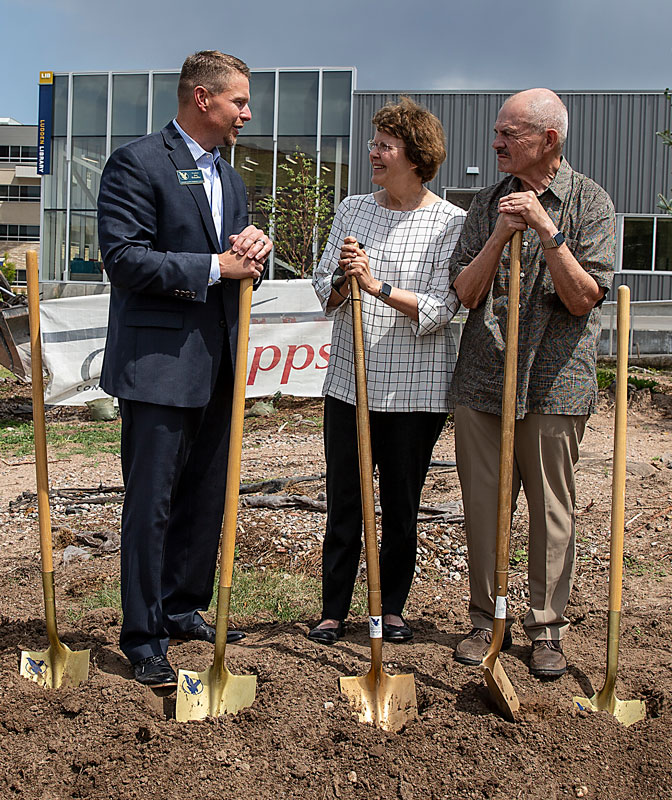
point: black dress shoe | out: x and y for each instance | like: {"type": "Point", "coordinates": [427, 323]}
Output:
{"type": "Point", "coordinates": [326, 635]}
{"type": "Point", "coordinates": [397, 633]}
{"type": "Point", "coordinates": [155, 672]}
{"type": "Point", "coordinates": [206, 633]}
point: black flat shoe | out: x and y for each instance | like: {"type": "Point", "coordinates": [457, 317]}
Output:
{"type": "Point", "coordinates": [154, 672]}
{"type": "Point", "coordinates": [327, 635]}
{"type": "Point", "coordinates": [205, 633]}
{"type": "Point", "coordinates": [397, 633]}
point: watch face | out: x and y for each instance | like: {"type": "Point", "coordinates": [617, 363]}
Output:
{"type": "Point", "coordinates": [385, 290]}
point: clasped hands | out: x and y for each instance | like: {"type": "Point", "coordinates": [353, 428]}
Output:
{"type": "Point", "coordinates": [520, 210]}
{"type": "Point", "coordinates": [245, 259]}
{"type": "Point", "coordinates": [354, 263]}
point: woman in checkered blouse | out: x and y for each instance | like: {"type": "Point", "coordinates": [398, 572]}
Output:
{"type": "Point", "coordinates": [397, 243]}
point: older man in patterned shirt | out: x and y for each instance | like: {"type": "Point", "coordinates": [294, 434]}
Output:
{"type": "Point", "coordinates": [566, 270]}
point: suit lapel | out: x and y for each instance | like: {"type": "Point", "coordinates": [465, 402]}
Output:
{"type": "Point", "coordinates": [229, 202]}
{"type": "Point", "coordinates": [181, 157]}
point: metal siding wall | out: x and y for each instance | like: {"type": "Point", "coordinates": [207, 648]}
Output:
{"type": "Point", "coordinates": [612, 138]}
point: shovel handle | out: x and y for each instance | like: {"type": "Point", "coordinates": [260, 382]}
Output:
{"type": "Point", "coordinates": [39, 426]}
{"type": "Point", "coordinates": [366, 469]}
{"type": "Point", "coordinates": [508, 422]}
{"type": "Point", "coordinates": [229, 522]}
{"type": "Point", "coordinates": [620, 431]}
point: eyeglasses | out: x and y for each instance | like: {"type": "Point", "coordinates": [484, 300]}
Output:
{"type": "Point", "coordinates": [383, 147]}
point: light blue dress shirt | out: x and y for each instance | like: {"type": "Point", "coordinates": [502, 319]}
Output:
{"type": "Point", "coordinates": [212, 184]}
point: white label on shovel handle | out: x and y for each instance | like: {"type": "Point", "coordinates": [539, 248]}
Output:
{"type": "Point", "coordinates": [500, 607]}
{"type": "Point", "coordinates": [375, 627]}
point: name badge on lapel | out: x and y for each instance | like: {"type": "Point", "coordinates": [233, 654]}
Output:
{"type": "Point", "coordinates": [188, 177]}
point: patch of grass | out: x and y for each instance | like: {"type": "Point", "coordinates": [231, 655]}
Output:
{"type": "Point", "coordinates": [519, 557]}
{"type": "Point", "coordinates": [106, 596]}
{"type": "Point", "coordinates": [274, 594]}
{"type": "Point", "coordinates": [5, 373]}
{"type": "Point", "coordinates": [63, 438]}
{"type": "Point", "coordinates": [605, 377]}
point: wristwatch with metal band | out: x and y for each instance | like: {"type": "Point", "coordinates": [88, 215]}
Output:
{"type": "Point", "coordinates": [554, 241]}
{"type": "Point", "coordinates": [385, 291]}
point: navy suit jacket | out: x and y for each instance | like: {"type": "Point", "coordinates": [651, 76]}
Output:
{"type": "Point", "coordinates": [167, 328]}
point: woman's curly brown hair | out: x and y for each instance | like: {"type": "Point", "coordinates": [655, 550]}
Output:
{"type": "Point", "coordinates": [421, 132]}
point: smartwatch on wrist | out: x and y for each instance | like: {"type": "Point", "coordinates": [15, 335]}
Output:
{"type": "Point", "coordinates": [554, 241]}
{"type": "Point", "coordinates": [385, 291]}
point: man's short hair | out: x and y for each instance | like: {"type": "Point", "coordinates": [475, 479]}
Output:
{"type": "Point", "coordinates": [211, 69]}
{"type": "Point", "coordinates": [421, 132]}
{"type": "Point", "coordinates": [548, 111]}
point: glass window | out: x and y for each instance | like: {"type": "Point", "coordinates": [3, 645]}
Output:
{"type": "Point", "coordinates": [637, 243]}
{"type": "Point", "coordinates": [164, 100]}
{"type": "Point", "coordinates": [89, 105]}
{"type": "Point", "coordinates": [4, 152]}
{"type": "Point", "coordinates": [334, 165]}
{"type": "Point", "coordinates": [88, 159]}
{"type": "Point", "coordinates": [85, 261]}
{"type": "Point", "coordinates": [336, 99]}
{"type": "Point", "coordinates": [53, 246]}
{"type": "Point", "coordinates": [297, 104]}
{"type": "Point", "coordinates": [262, 101]}
{"type": "Point", "coordinates": [60, 105]}
{"type": "Point", "coordinates": [129, 105]}
{"type": "Point", "coordinates": [55, 185]}
{"type": "Point", "coordinates": [254, 162]}
{"type": "Point", "coordinates": [664, 244]}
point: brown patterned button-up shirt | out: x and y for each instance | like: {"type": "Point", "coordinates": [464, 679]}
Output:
{"type": "Point", "coordinates": [557, 351]}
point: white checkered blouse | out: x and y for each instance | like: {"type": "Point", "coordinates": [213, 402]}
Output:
{"type": "Point", "coordinates": [408, 364]}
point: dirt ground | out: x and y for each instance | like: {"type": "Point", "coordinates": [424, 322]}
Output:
{"type": "Point", "coordinates": [110, 738]}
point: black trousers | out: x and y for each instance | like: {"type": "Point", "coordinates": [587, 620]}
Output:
{"type": "Point", "coordinates": [401, 445]}
{"type": "Point", "coordinates": [174, 464]}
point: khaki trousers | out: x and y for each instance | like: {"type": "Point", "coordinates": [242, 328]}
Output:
{"type": "Point", "coordinates": [546, 449]}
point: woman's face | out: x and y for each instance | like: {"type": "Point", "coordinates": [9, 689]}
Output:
{"type": "Point", "coordinates": [389, 161]}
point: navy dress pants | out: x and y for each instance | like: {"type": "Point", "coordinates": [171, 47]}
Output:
{"type": "Point", "coordinates": [174, 464]}
{"type": "Point", "coordinates": [401, 444]}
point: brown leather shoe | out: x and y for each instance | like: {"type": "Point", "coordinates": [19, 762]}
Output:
{"type": "Point", "coordinates": [472, 649]}
{"type": "Point", "coordinates": [548, 660]}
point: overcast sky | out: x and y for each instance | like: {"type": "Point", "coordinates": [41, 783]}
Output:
{"type": "Point", "coordinates": [394, 44]}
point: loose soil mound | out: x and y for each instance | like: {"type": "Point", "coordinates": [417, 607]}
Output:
{"type": "Point", "coordinates": [110, 738]}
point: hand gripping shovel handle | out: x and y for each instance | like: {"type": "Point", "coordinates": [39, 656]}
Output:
{"type": "Point", "coordinates": [366, 481]}
{"type": "Point", "coordinates": [228, 543]}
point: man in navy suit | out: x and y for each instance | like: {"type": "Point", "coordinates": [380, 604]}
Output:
{"type": "Point", "coordinates": [175, 242]}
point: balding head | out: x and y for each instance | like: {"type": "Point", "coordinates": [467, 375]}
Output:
{"type": "Point", "coordinates": [542, 109]}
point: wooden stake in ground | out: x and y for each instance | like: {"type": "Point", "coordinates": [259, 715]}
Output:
{"type": "Point", "coordinates": [58, 664]}
{"type": "Point", "coordinates": [216, 691]}
{"type": "Point", "coordinates": [500, 686]}
{"type": "Point", "coordinates": [625, 711]}
{"type": "Point", "coordinates": [386, 701]}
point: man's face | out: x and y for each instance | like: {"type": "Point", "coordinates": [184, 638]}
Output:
{"type": "Point", "coordinates": [229, 110]}
{"type": "Point", "coordinates": [520, 148]}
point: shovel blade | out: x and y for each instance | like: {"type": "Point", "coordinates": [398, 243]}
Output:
{"type": "Point", "coordinates": [627, 712]}
{"type": "Point", "coordinates": [501, 688]}
{"type": "Point", "coordinates": [55, 666]}
{"type": "Point", "coordinates": [212, 693]}
{"type": "Point", "coordinates": [385, 701]}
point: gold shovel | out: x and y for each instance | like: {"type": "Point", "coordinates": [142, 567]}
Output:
{"type": "Point", "coordinates": [216, 691]}
{"type": "Point", "coordinates": [385, 701]}
{"type": "Point", "coordinates": [625, 711]}
{"type": "Point", "coordinates": [58, 664]}
{"type": "Point", "coordinates": [496, 679]}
